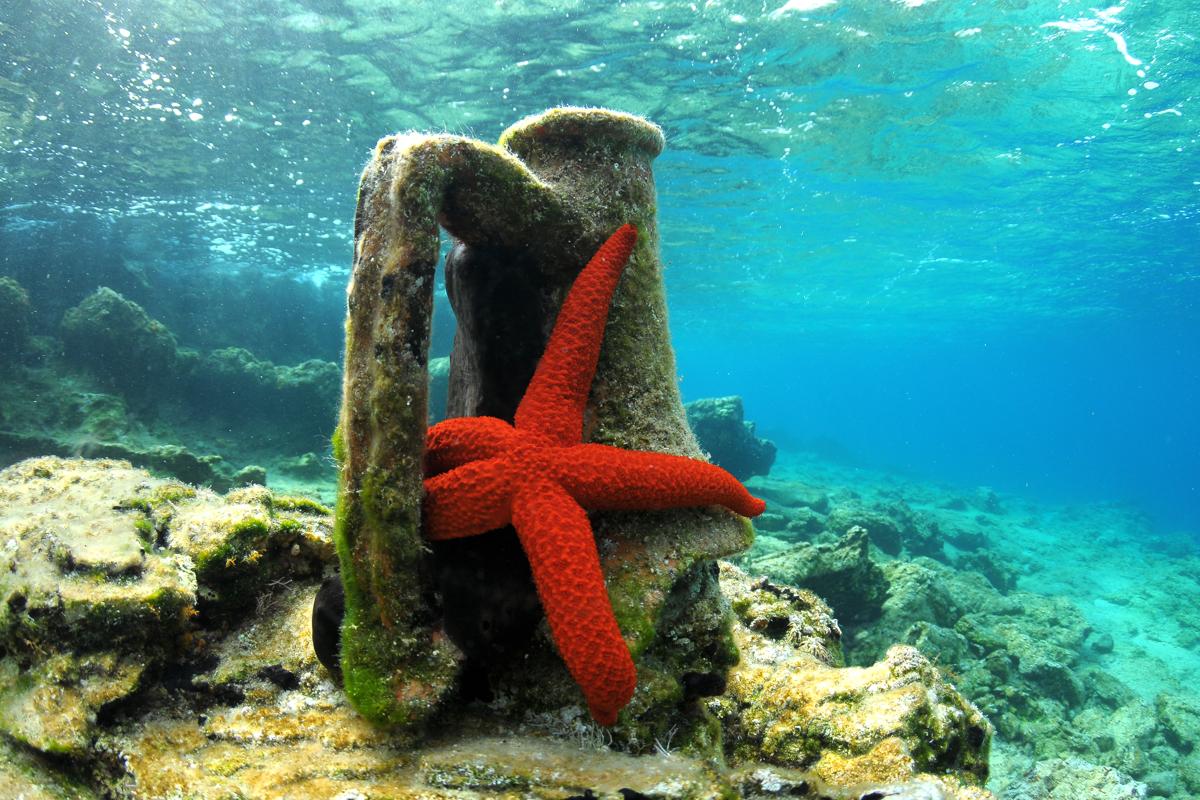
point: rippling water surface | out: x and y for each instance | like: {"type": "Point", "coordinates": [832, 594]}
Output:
{"type": "Point", "coordinates": [958, 239]}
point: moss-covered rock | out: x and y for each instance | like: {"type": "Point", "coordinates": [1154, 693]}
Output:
{"type": "Point", "coordinates": [103, 571]}
{"type": "Point", "coordinates": [15, 317]}
{"type": "Point", "coordinates": [237, 704]}
{"type": "Point", "coordinates": [78, 567]}
{"type": "Point", "coordinates": [27, 775]}
{"type": "Point", "coordinates": [117, 341]}
{"type": "Point", "coordinates": [80, 575]}
{"type": "Point", "coordinates": [52, 704]}
{"type": "Point", "coordinates": [237, 545]}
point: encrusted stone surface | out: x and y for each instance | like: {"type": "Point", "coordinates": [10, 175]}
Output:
{"type": "Point", "coordinates": [103, 573]}
{"type": "Point", "coordinates": [791, 704]}
{"type": "Point", "coordinates": [723, 432]}
{"type": "Point", "coordinates": [223, 704]}
{"type": "Point", "coordinates": [841, 572]}
{"type": "Point", "coordinates": [526, 215]}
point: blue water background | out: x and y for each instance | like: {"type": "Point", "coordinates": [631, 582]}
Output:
{"type": "Point", "coordinates": [957, 241]}
{"type": "Point", "coordinates": [957, 329]}
{"type": "Point", "coordinates": [1092, 411]}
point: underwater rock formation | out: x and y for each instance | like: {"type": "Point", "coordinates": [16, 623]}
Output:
{"type": "Point", "coordinates": [44, 413]}
{"type": "Point", "coordinates": [892, 526]}
{"type": "Point", "coordinates": [177, 654]}
{"type": "Point", "coordinates": [15, 315]}
{"type": "Point", "coordinates": [1034, 642]}
{"type": "Point", "coordinates": [103, 574]}
{"type": "Point", "coordinates": [790, 702]}
{"type": "Point", "coordinates": [118, 386]}
{"type": "Point", "coordinates": [274, 404]}
{"type": "Point", "coordinates": [1046, 672]}
{"type": "Point", "coordinates": [525, 217]}
{"type": "Point", "coordinates": [118, 342]}
{"type": "Point", "coordinates": [841, 572]}
{"type": "Point", "coordinates": [803, 513]}
{"type": "Point", "coordinates": [1074, 778]}
{"type": "Point", "coordinates": [722, 431]}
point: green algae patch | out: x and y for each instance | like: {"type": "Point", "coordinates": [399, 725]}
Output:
{"type": "Point", "coordinates": [301, 505]}
{"type": "Point", "coordinates": [25, 775]}
{"type": "Point", "coordinates": [248, 540]}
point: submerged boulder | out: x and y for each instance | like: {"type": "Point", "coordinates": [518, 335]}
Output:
{"type": "Point", "coordinates": [791, 703]}
{"type": "Point", "coordinates": [841, 572]}
{"type": "Point", "coordinates": [86, 599]}
{"type": "Point", "coordinates": [118, 342]}
{"type": "Point", "coordinates": [720, 427]}
{"type": "Point", "coordinates": [101, 583]}
{"type": "Point", "coordinates": [268, 408]}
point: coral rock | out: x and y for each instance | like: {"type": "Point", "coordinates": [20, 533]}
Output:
{"type": "Point", "coordinates": [226, 704]}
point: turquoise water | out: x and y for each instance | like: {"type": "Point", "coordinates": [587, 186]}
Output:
{"type": "Point", "coordinates": [954, 239]}
{"type": "Point", "coordinates": [931, 244]}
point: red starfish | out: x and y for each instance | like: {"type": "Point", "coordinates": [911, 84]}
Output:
{"type": "Point", "coordinates": [537, 476]}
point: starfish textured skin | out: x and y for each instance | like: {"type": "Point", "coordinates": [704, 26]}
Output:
{"type": "Point", "coordinates": [539, 476]}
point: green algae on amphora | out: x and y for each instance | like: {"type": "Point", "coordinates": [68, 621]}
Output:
{"type": "Point", "coordinates": [557, 185]}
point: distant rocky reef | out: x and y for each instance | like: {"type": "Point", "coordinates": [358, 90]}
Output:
{"type": "Point", "coordinates": [112, 381]}
{"type": "Point", "coordinates": [943, 571]}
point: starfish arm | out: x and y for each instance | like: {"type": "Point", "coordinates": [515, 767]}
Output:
{"type": "Point", "coordinates": [557, 537]}
{"type": "Point", "coordinates": [454, 442]}
{"type": "Point", "coordinates": [606, 478]}
{"type": "Point", "coordinates": [468, 500]}
{"type": "Point", "coordinates": [554, 403]}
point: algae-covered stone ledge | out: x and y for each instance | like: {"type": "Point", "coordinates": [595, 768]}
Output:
{"type": "Point", "coordinates": [210, 682]}
{"type": "Point", "coordinates": [107, 577]}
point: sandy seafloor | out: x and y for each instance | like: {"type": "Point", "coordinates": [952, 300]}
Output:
{"type": "Point", "coordinates": [1139, 585]}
